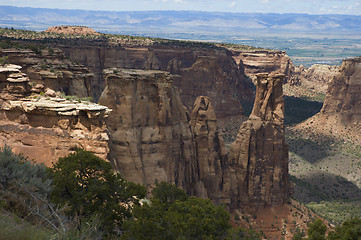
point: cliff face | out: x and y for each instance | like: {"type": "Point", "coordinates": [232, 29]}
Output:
{"type": "Point", "coordinates": [46, 128]}
{"type": "Point", "coordinates": [152, 138]}
{"type": "Point", "coordinates": [202, 71]}
{"type": "Point", "coordinates": [52, 70]}
{"type": "Point", "coordinates": [316, 77]}
{"type": "Point", "coordinates": [210, 151]}
{"type": "Point", "coordinates": [343, 94]}
{"type": "Point", "coordinates": [150, 135]}
{"type": "Point", "coordinates": [258, 158]}
{"type": "Point", "coordinates": [264, 61]}
{"type": "Point", "coordinates": [217, 77]}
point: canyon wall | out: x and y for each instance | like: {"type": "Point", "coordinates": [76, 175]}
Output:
{"type": "Point", "coordinates": [343, 94]}
{"type": "Point", "coordinates": [264, 61]}
{"type": "Point", "coordinates": [52, 70]}
{"type": "Point", "coordinates": [150, 135]}
{"type": "Point", "coordinates": [46, 127]}
{"type": "Point", "coordinates": [317, 77]}
{"type": "Point", "coordinates": [153, 138]}
{"type": "Point", "coordinates": [204, 71]}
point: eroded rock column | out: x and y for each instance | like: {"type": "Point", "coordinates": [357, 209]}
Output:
{"type": "Point", "coordinates": [258, 158]}
{"type": "Point", "coordinates": [210, 150]}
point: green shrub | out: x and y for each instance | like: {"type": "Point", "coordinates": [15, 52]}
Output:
{"type": "Point", "coordinates": [88, 185]}
{"type": "Point", "coordinates": [14, 228]}
{"type": "Point", "coordinates": [349, 230]}
{"type": "Point", "coordinates": [172, 215]}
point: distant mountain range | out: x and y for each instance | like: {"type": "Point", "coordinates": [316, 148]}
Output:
{"type": "Point", "coordinates": [150, 22]}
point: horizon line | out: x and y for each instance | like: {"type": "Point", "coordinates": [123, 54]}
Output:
{"type": "Point", "coordinates": [195, 11]}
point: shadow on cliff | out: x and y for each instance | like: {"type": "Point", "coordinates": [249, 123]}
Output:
{"type": "Point", "coordinates": [298, 109]}
{"type": "Point", "coordinates": [320, 186]}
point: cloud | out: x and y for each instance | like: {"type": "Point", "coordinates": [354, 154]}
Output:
{"type": "Point", "coordinates": [265, 1]}
{"type": "Point", "coordinates": [232, 4]}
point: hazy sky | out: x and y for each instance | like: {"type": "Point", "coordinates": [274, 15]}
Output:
{"type": "Point", "coordinates": [276, 6]}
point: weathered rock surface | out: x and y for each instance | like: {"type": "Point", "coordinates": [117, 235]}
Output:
{"type": "Point", "coordinates": [317, 77]}
{"type": "Point", "coordinates": [264, 61]}
{"type": "Point", "coordinates": [152, 138]}
{"type": "Point", "coordinates": [258, 158]}
{"type": "Point", "coordinates": [343, 95]}
{"type": "Point", "coordinates": [52, 70]}
{"type": "Point", "coordinates": [45, 128]}
{"type": "Point", "coordinates": [13, 83]}
{"type": "Point", "coordinates": [76, 30]}
{"type": "Point", "coordinates": [203, 71]}
{"type": "Point", "coordinates": [210, 152]}
{"type": "Point", "coordinates": [218, 78]}
{"type": "Point", "coordinates": [150, 134]}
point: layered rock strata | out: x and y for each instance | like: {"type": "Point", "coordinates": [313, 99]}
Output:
{"type": "Point", "coordinates": [52, 70]}
{"type": "Point", "coordinates": [258, 158]}
{"type": "Point", "coordinates": [317, 77]}
{"type": "Point", "coordinates": [150, 135]}
{"type": "Point", "coordinates": [45, 128]}
{"type": "Point", "coordinates": [153, 138]}
{"type": "Point", "coordinates": [210, 151]}
{"type": "Point", "coordinates": [75, 30]}
{"type": "Point", "coordinates": [202, 71]}
{"type": "Point", "coordinates": [264, 61]}
{"type": "Point", "coordinates": [343, 94]}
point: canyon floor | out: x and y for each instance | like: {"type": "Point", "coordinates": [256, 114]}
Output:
{"type": "Point", "coordinates": [325, 157]}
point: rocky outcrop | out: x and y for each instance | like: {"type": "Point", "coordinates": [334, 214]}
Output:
{"type": "Point", "coordinates": [52, 70]}
{"type": "Point", "coordinates": [75, 30]}
{"type": "Point", "coordinates": [210, 152]}
{"type": "Point", "coordinates": [203, 71]}
{"type": "Point", "coordinates": [152, 139]}
{"type": "Point", "coordinates": [258, 158]}
{"type": "Point", "coordinates": [13, 83]}
{"type": "Point", "coordinates": [264, 61]}
{"type": "Point", "coordinates": [46, 128]}
{"type": "Point", "coordinates": [343, 94]}
{"type": "Point", "coordinates": [317, 77]}
{"type": "Point", "coordinates": [150, 134]}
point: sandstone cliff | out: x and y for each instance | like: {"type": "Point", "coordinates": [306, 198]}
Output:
{"type": "Point", "coordinates": [258, 158]}
{"type": "Point", "coordinates": [150, 135]}
{"type": "Point", "coordinates": [204, 71]}
{"type": "Point", "coordinates": [317, 77]}
{"type": "Point", "coordinates": [264, 61]}
{"type": "Point", "coordinates": [52, 70]}
{"type": "Point", "coordinates": [210, 152]}
{"type": "Point", "coordinates": [343, 94]}
{"type": "Point", "coordinates": [46, 128]}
